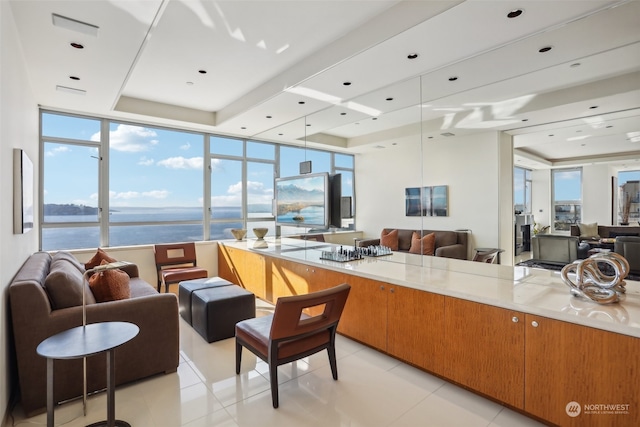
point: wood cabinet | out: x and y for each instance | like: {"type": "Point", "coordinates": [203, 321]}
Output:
{"type": "Point", "coordinates": [485, 349]}
{"type": "Point", "coordinates": [415, 327]}
{"type": "Point", "coordinates": [567, 363]}
{"type": "Point", "coordinates": [365, 315]}
{"type": "Point", "coordinates": [244, 268]}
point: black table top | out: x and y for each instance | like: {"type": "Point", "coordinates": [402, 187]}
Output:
{"type": "Point", "coordinates": [87, 340]}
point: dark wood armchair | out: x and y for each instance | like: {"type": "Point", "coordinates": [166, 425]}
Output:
{"type": "Point", "coordinates": [290, 334]}
{"type": "Point", "coordinates": [176, 262]}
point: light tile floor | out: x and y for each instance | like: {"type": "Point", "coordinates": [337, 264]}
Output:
{"type": "Point", "coordinates": [372, 390]}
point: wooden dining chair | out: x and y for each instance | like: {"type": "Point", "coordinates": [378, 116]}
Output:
{"type": "Point", "coordinates": [290, 334]}
{"type": "Point", "coordinates": [176, 262]}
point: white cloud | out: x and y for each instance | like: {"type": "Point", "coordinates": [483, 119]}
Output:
{"type": "Point", "coordinates": [129, 138]}
{"type": "Point", "coordinates": [182, 163]}
{"type": "Point", "coordinates": [156, 194]}
{"type": "Point", "coordinates": [185, 146]}
{"type": "Point", "coordinates": [58, 150]}
{"type": "Point", "coordinates": [256, 191]}
{"type": "Point", "coordinates": [145, 162]}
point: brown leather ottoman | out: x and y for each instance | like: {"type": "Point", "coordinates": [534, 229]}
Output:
{"type": "Point", "coordinates": [215, 311]}
{"type": "Point", "coordinates": [186, 289]}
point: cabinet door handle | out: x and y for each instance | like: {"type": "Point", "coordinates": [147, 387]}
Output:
{"type": "Point", "coordinates": [534, 324]}
{"type": "Point", "coordinates": [392, 290]}
{"type": "Point", "coordinates": [515, 319]}
{"type": "Point", "coordinates": [382, 288]}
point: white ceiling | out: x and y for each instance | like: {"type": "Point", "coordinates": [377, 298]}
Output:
{"type": "Point", "coordinates": [263, 58]}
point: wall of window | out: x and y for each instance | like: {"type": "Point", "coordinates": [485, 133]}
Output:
{"type": "Point", "coordinates": [567, 198]}
{"type": "Point", "coordinates": [522, 190]}
{"type": "Point", "coordinates": [110, 183]}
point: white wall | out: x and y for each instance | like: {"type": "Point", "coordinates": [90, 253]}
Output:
{"type": "Point", "coordinates": [469, 165]}
{"type": "Point", "coordinates": [541, 197]}
{"type": "Point", "coordinates": [596, 194]}
{"type": "Point", "coordinates": [18, 129]}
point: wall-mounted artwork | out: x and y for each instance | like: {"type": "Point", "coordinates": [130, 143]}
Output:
{"type": "Point", "coordinates": [23, 209]}
{"type": "Point", "coordinates": [427, 201]}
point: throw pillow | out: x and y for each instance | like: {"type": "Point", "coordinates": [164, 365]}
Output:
{"type": "Point", "coordinates": [64, 285]}
{"type": "Point", "coordinates": [110, 285]}
{"type": "Point", "coordinates": [425, 245]}
{"type": "Point", "coordinates": [62, 256]}
{"type": "Point", "coordinates": [389, 239]}
{"type": "Point", "coordinates": [589, 231]}
{"type": "Point", "coordinates": [97, 259]}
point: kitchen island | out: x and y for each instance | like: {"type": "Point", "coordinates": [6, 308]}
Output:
{"type": "Point", "coordinates": [513, 334]}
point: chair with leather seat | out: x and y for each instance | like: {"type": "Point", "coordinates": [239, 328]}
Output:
{"type": "Point", "coordinates": [629, 247]}
{"type": "Point", "coordinates": [300, 326]}
{"type": "Point", "coordinates": [558, 249]}
{"type": "Point", "coordinates": [175, 263]}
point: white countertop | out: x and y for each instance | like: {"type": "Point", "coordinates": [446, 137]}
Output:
{"type": "Point", "coordinates": [528, 290]}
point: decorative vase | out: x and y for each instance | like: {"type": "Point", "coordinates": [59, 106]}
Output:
{"type": "Point", "coordinates": [260, 232]}
{"type": "Point", "coordinates": [239, 233]}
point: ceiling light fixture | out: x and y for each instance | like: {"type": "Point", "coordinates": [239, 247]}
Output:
{"type": "Point", "coordinates": [346, 83]}
{"type": "Point", "coordinates": [74, 25]}
{"type": "Point", "coordinates": [545, 49]}
{"type": "Point", "coordinates": [202, 71]}
{"type": "Point", "coordinates": [575, 65]}
{"type": "Point", "coordinates": [71, 90]}
{"type": "Point", "coordinates": [343, 114]}
{"type": "Point", "coordinates": [412, 56]}
{"type": "Point", "coordinates": [389, 99]}
{"type": "Point", "coordinates": [269, 117]}
{"type": "Point", "coordinates": [593, 107]}
{"type": "Point", "coordinates": [74, 78]}
{"type": "Point", "coordinates": [189, 83]}
{"type": "Point", "coordinates": [447, 134]}
{"type": "Point", "coordinates": [76, 45]}
{"type": "Point", "coordinates": [515, 13]}
{"type": "Point", "coordinates": [453, 78]}
{"type": "Point", "coordinates": [301, 102]}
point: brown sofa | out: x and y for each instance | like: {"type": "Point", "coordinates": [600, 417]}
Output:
{"type": "Point", "coordinates": [35, 317]}
{"type": "Point", "coordinates": [609, 231]}
{"type": "Point", "coordinates": [449, 244]}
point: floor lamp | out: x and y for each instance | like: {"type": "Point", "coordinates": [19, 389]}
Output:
{"type": "Point", "coordinates": [85, 277]}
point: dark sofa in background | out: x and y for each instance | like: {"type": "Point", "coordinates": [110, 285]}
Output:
{"type": "Point", "coordinates": [449, 244]}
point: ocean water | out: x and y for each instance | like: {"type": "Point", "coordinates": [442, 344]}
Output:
{"type": "Point", "coordinates": [134, 234]}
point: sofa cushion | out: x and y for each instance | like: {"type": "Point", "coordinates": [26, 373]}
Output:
{"type": "Point", "coordinates": [589, 231]}
{"type": "Point", "coordinates": [445, 238]}
{"type": "Point", "coordinates": [389, 238]}
{"type": "Point", "coordinates": [97, 259]}
{"type": "Point", "coordinates": [65, 284]}
{"type": "Point", "coordinates": [424, 246]}
{"type": "Point", "coordinates": [67, 257]}
{"type": "Point", "coordinates": [110, 285]}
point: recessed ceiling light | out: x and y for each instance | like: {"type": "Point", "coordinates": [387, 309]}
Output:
{"type": "Point", "coordinates": [593, 107]}
{"type": "Point", "coordinates": [374, 118]}
{"type": "Point", "coordinates": [74, 77]}
{"type": "Point", "coordinates": [189, 83]}
{"type": "Point", "coordinates": [429, 137]}
{"type": "Point", "coordinates": [609, 127]}
{"type": "Point", "coordinates": [453, 78]}
{"type": "Point", "coordinates": [346, 83]}
{"type": "Point", "coordinates": [74, 25]}
{"type": "Point", "coordinates": [202, 71]}
{"type": "Point", "coordinates": [575, 64]}
{"type": "Point", "coordinates": [343, 114]}
{"type": "Point", "coordinates": [308, 124]}
{"type": "Point", "coordinates": [269, 117]}
{"type": "Point", "coordinates": [447, 134]}
{"type": "Point", "coordinates": [77, 45]}
{"type": "Point", "coordinates": [301, 102]}
{"type": "Point", "coordinates": [243, 128]}
{"type": "Point", "coordinates": [545, 49]}
{"type": "Point", "coordinates": [525, 120]}
{"type": "Point", "coordinates": [280, 134]}
{"type": "Point", "coordinates": [551, 134]}
{"type": "Point", "coordinates": [389, 99]}
{"type": "Point", "coordinates": [412, 56]}
{"type": "Point", "coordinates": [515, 13]}
{"type": "Point", "coordinates": [71, 90]}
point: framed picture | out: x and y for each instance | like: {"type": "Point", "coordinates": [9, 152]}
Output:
{"type": "Point", "coordinates": [23, 209]}
{"type": "Point", "coordinates": [413, 206]}
{"type": "Point", "coordinates": [427, 201]}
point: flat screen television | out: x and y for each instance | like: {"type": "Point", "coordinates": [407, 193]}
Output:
{"type": "Point", "coordinates": [303, 200]}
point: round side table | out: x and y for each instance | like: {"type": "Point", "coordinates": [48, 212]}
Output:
{"type": "Point", "coordinates": [86, 341]}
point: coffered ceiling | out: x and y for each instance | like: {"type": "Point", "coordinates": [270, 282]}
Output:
{"type": "Point", "coordinates": [351, 74]}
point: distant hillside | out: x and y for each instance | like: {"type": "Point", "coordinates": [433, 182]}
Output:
{"type": "Point", "coordinates": [293, 193]}
{"type": "Point", "coordinates": [70, 209]}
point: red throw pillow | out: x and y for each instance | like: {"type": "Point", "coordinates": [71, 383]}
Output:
{"type": "Point", "coordinates": [389, 239]}
{"type": "Point", "coordinates": [110, 285]}
{"type": "Point", "coordinates": [97, 259]}
{"type": "Point", "coordinates": [424, 246]}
